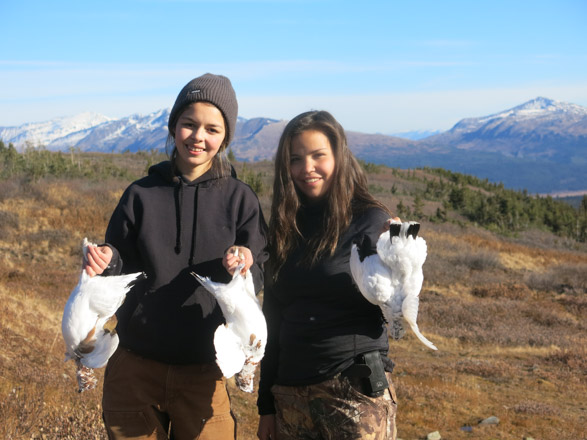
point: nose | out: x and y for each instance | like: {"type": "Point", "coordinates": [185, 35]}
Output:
{"type": "Point", "coordinates": [198, 133]}
{"type": "Point", "coordinates": [309, 165]}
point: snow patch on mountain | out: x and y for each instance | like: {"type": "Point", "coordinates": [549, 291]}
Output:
{"type": "Point", "coordinates": [43, 133]}
{"type": "Point", "coordinates": [539, 110]}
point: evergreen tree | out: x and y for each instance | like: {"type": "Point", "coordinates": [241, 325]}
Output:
{"type": "Point", "coordinates": [231, 156]}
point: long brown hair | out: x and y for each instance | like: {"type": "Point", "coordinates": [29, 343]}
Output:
{"type": "Point", "coordinates": [348, 193]}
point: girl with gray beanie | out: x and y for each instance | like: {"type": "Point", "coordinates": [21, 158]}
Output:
{"type": "Point", "coordinates": [186, 215]}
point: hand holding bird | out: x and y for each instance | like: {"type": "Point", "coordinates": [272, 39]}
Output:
{"type": "Point", "coordinates": [89, 321]}
{"type": "Point", "coordinates": [240, 343]}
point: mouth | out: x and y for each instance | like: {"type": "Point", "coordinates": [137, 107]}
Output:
{"type": "Point", "coordinates": [311, 180]}
{"type": "Point", "coordinates": [194, 149]}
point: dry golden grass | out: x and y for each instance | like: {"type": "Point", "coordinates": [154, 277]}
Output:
{"type": "Point", "coordinates": [508, 317]}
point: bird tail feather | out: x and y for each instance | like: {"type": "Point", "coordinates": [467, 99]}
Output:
{"type": "Point", "coordinates": [421, 337]}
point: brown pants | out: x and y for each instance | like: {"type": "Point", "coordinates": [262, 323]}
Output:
{"type": "Point", "coordinates": [148, 400]}
{"type": "Point", "coordinates": [334, 410]}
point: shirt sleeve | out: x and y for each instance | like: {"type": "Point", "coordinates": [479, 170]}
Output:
{"type": "Point", "coordinates": [372, 224]}
{"type": "Point", "coordinates": [269, 363]}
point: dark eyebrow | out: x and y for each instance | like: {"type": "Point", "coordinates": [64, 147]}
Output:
{"type": "Point", "coordinates": [190, 119]}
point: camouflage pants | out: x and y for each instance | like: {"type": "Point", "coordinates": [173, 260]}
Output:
{"type": "Point", "coordinates": [334, 410]}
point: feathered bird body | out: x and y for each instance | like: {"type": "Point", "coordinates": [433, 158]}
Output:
{"type": "Point", "coordinates": [240, 343]}
{"type": "Point", "coordinates": [89, 321]}
{"type": "Point", "coordinates": [392, 277]}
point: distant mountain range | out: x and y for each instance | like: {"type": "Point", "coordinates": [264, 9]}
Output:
{"type": "Point", "coordinates": [540, 145]}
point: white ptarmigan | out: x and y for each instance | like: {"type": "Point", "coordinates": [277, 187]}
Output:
{"type": "Point", "coordinates": [89, 321]}
{"type": "Point", "coordinates": [392, 277]}
{"type": "Point", "coordinates": [240, 343]}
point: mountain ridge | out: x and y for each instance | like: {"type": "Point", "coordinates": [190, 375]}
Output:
{"type": "Point", "coordinates": [541, 136]}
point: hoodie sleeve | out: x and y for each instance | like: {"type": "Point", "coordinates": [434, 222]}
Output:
{"type": "Point", "coordinates": [121, 236]}
{"type": "Point", "coordinates": [252, 233]}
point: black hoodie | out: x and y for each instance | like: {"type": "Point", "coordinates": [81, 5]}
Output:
{"type": "Point", "coordinates": [167, 228]}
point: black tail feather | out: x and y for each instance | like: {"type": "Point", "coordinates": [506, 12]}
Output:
{"type": "Point", "coordinates": [413, 229]}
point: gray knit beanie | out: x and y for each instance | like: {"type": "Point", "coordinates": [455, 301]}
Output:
{"type": "Point", "coordinates": [215, 89]}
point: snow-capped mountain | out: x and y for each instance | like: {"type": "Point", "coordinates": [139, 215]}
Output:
{"type": "Point", "coordinates": [43, 133]}
{"type": "Point", "coordinates": [540, 145]}
{"type": "Point", "coordinates": [539, 112]}
{"type": "Point", "coordinates": [541, 128]}
{"type": "Point", "coordinates": [133, 133]}
{"type": "Point", "coordinates": [93, 132]}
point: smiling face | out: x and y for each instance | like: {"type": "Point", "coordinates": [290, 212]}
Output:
{"type": "Point", "coordinates": [312, 164]}
{"type": "Point", "coordinates": [199, 133]}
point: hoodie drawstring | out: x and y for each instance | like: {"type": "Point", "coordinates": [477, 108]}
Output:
{"type": "Point", "coordinates": [178, 221]}
{"type": "Point", "coordinates": [178, 203]}
{"type": "Point", "coordinates": [194, 227]}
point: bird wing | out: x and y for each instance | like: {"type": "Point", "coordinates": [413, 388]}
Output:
{"type": "Point", "coordinates": [106, 293]}
{"type": "Point", "coordinates": [77, 320]}
{"type": "Point", "coordinates": [229, 354]}
{"type": "Point", "coordinates": [372, 277]}
{"type": "Point", "coordinates": [225, 293]}
{"type": "Point", "coordinates": [104, 347]}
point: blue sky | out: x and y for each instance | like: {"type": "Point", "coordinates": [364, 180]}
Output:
{"type": "Point", "coordinates": [378, 66]}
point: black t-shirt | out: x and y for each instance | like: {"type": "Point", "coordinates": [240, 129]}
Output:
{"type": "Point", "coordinates": [318, 320]}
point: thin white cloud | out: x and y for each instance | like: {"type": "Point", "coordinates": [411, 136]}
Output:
{"type": "Point", "coordinates": [447, 44]}
{"type": "Point", "coordinates": [55, 78]}
{"type": "Point", "coordinates": [407, 111]}
{"type": "Point", "coordinates": [42, 90]}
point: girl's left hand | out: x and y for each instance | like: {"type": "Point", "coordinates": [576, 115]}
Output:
{"type": "Point", "coordinates": [236, 255]}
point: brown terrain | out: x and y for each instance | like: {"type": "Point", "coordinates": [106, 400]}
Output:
{"type": "Point", "coordinates": [508, 315]}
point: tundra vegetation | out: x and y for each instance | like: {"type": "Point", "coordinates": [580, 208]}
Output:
{"type": "Point", "coordinates": [504, 299]}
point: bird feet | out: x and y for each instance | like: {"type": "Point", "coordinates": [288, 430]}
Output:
{"type": "Point", "coordinates": [85, 377]}
{"type": "Point", "coordinates": [396, 330]}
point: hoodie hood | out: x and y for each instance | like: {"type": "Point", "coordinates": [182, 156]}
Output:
{"type": "Point", "coordinates": [167, 173]}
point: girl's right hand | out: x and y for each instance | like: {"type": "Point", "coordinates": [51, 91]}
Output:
{"type": "Point", "coordinates": [266, 429]}
{"type": "Point", "coordinates": [97, 259]}
{"type": "Point", "coordinates": [236, 255]}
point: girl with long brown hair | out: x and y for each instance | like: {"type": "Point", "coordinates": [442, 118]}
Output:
{"type": "Point", "coordinates": [324, 337]}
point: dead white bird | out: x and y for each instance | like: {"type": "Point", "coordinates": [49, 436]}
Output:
{"type": "Point", "coordinates": [240, 343]}
{"type": "Point", "coordinates": [89, 321]}
{"type": "Point", "coordinates": [392, 277]}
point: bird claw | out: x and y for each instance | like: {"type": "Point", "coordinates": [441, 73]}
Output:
{"type": "Point", "coordinates": [397, 330]}
{"type": "Point", "coordinates": [85, 377]}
